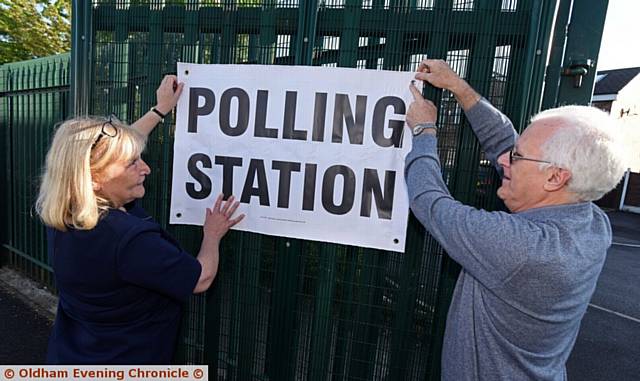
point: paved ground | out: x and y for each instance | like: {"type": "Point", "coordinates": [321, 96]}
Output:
{"type": "Point", "coordinates": [608, 344]}
{"type": "Point", "coordinates": [607, 347]}
{"type": "Point", "coordinates": [24, 329]}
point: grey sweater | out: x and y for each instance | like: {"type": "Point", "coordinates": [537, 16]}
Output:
{"type": "Point", "coordinates": [527, 278]}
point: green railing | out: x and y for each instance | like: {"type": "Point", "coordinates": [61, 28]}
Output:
{"type": "Point", "coordinates": [33, 98]}
{"type": "Point", "coordinates": [284, 309]}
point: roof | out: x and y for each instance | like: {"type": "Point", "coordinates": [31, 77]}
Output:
{"type": "Point", "coordinates": [612, 81]}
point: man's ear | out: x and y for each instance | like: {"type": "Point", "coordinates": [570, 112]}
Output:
{"type": "Point", "coordinates": [96, 186]}
{"type": "Point", "coordinates": [557, 179]}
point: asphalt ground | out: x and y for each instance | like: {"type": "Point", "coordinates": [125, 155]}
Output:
{"type": "Point", "coordinates": [607, 348]}
{"type": "Point", "coordinates": [608, 345]}
{"type": "Point", "coordinates": [24, 329]}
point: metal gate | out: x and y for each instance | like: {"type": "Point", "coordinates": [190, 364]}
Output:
{"type": "Point", "coordinates": [284, 309]}
{"type": "Point", "coordinates": [287, 309]}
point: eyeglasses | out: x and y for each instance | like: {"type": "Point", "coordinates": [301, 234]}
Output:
{"type": "Point", "coordinates": [515, 156]}
{"type": "Point", "coordinates": [108, 129]}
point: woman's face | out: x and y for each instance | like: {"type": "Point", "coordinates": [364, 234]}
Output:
{"type": "Point", "coordinates": [124, 182]}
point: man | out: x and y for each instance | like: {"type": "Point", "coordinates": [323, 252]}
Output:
{"type": "Point", "coordinates": [527, 277]}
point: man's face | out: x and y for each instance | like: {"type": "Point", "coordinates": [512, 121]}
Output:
{"type": "Point", "coordinates": [523, 182]}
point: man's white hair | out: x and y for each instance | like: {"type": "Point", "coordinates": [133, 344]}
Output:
{"type": "Point", "coordinates": [589, 146]}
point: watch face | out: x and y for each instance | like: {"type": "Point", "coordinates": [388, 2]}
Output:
{"type": "Point", "coordinates": [423, 126]}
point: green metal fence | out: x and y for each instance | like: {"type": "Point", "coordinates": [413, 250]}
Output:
{"type": "Point", "coordinates": [284, 309]}
{"type": "Point", "coordinates": [33, 97]}
{"type": "Point", "coordinates": [287, 309]}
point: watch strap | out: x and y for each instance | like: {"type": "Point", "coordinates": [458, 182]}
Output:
{"type": "Point", "coordinates": [157, 112]}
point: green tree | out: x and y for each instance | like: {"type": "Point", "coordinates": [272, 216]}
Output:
{"type": "Point", "coordinates": [31, 29]}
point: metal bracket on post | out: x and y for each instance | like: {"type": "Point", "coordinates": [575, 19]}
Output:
{"type": "Point", "coordinates": [577, 69]}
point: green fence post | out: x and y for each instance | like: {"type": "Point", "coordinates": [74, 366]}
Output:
{"type": "Point", "coordinates": [437, 43]}
{"type": "Point", "coordinates": [403, 334]}
{"type": "Point", "coordinates": [349, 36]}
{"type": "Point", "coordinates": [229, 36]}
{"type": "Point", "coordinates": [248, 304]}
{"type": "Point", "coordinates": [212, 326]}
{"type": "Point", "coordinates": [393, 42]}
{"type": "Point", "coordinates": [81, 50]}
{"type": "Point", "coordinates": [281, 359]}
{"type": "Point", "coordinates": [346, 309]}
{"type": "Point", "coordinates": [322, 327]}
{"type": "Point", "coordinates": [303, 44]}
{"type": "Point", "coordinates": [527, 68]}
{"type": "Point", "coordinates": [541, 54]}
{"type": "Point", "coordinates": [369, 295]}
{"type": "Point", "coordinates": [268, 37]}
{"type": "Point", "coordinates": [5, 166]}
{"type": "Point", "coordinates": [482, 48]}
{"type": "Point", "coordinates": [552, 78]}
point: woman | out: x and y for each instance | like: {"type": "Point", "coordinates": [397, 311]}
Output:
{"type": "Point", "coordinates": [121, 278]}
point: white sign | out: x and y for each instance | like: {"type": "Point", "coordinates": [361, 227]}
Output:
{"type": "Point", "coordinates": [311, 152]}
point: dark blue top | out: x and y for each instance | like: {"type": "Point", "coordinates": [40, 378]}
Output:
{"type": "Point", "coordinates": [121, 287]}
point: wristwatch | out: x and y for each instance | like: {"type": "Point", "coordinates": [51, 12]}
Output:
{"type": "Point", "coordinates": [157, 112]}
{"type": "Point", "coordinates": [417, 130]}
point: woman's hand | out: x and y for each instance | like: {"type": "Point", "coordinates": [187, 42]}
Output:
{"type": "Point", "coordinates": [217, 223]}
{"type": "Point", "coordinates": [218, 219]}
{"type": "Point", "coordinates": [168, 93]}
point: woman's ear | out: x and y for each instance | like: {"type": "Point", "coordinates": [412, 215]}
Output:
{"type": "Point", "coordinates": [96, 181]}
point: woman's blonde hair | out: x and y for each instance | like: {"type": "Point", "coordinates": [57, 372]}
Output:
{"type": "Point", "coordinates": [81, 150]}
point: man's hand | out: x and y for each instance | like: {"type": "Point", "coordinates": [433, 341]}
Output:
{"type": "Point", "coordinates": [421, 110]}
{"type": "Point", "coordinates": [439, 74]}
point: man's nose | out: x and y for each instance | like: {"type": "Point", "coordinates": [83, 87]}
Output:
{"type": "Point", "coordinates": [503, 160]}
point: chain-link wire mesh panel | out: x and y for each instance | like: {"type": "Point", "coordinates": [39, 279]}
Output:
{"type": "Point", "coordinates": [33, 99]}
{"type": "Point", "coordinates": [284, 309]}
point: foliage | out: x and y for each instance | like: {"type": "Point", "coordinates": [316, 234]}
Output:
{"type": "Point", "coordinates": [34, 28]}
